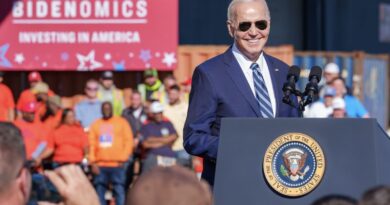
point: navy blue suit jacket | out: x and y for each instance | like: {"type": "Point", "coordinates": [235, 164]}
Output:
{"type": "Point", "coordinates": [220, 89]}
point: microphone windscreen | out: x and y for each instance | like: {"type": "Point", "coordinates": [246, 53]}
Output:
{"type": "Point", "coordinates": [315, 71]}
{"type": "Point", "coordinates": [294, 71]}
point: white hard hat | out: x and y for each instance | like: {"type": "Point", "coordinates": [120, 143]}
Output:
{"type": "Point", "coordinates": [332, 68]}
{"type": "Point", "coordinates": [338, 103]}
{"type": "Point", "coordinates": [156, 107]}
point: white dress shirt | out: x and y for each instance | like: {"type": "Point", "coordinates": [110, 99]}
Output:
{"type": "Point", "coordinates": [245, 64]}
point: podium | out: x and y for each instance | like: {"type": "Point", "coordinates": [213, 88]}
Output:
{"type": "Point", "coordinates": [356, 152]}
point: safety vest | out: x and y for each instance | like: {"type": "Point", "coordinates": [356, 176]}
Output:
{"type": "Point", "coordinates": [117, 101]}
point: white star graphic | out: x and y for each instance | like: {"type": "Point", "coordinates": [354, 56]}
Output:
{"type": "Point", "coordinates": [107, 56]}
{"type": "Point", "coordinates": [88, 62]}
{"type": "Point", "coordinates": [169, 59]}
{"type": "Point", "coordinates": [19, 58]}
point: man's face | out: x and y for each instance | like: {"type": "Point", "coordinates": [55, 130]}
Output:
{"type": "Point", "coordinates": [339, 86]}
{"type": "Point", "coordinates": [328, 100]}
{"type": "Point", "coordinates": [91, 90]}
{"type": "Point", "coordinates": [330, 76]}
{"type": "Point", "coordinates": [338, 113]}
{"type": "Point", "coordinates": [252, 41]}
{"type": "Point", "coordinates": [107, 110]}
{"type": "Point", "coordinates": [173, 96]}
{"type": "Point", "coordinates": [28, 116]}
{"type": "Point", "coordinates": [107, 83]}
{"type": "Point", "coordinates": [136, 100]}
{"type": "Point", "coordinates": [158, 117]}
{"type": "Point", "coordinates": [169, 82]}
{"type": "Point", "coordinates": [150, 80]}
{"type": "Point", "coordinates": [33, 83]}
{"type": "Point", "coordinates": [42, 97]}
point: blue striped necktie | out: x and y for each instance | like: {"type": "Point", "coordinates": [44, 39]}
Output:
{"type": "Point", "coordinates": [261, 92]}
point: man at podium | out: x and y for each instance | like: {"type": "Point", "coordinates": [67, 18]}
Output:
{"type": "Point", "coordinates": [242, 82]}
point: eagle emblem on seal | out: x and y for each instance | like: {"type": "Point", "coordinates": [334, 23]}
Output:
{"type": "Point", "coordinates": [294, 164]}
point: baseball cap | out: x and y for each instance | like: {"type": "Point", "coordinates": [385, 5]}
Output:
{"type": "Point", "coordinates": [40, 87]}
{"type": "Point", "coordinates": [329, 91]}
{"type": "Point", "coordinates": [56, 100]}
{"type": "Point", "coordinates": [151, 72]}
{"type": "Point", "coordinates": [34, 76]}
{"type": "Point", "coordinates": [338, 103]}
{"type": "Point", "coordinates": [107, 75]}
{"type": "Point", "coordinates": [332, 68]}
{"type": "Point", "coordinates": [156, 107]}
{"type": "Point", "coordinates": [29, 107]}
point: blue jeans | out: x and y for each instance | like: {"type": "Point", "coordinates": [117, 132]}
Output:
{"type": "Point", "coordinates": [115, 176]}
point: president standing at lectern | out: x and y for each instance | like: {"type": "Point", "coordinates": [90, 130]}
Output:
{"type": "Point", "coordinates": [242, 82]}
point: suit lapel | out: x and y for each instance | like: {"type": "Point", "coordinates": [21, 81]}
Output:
{"type": "Point", "coordinates": [274, 72]}
{"type": "Point", "coordinates": [240, 81]}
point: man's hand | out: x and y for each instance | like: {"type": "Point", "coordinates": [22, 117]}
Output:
{"type": "Point", "coordinates": [73, 185]}
{"type": "Point", "coordinates": [37, 162]}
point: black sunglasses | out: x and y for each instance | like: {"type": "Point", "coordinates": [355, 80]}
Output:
{"type": "Point", "coordinates": [245, 26]}
{"type": "Point", "coordinates": [92, 89]}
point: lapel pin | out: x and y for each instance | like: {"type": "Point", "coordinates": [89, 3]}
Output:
{"type": "Point", "coordinates": [276, 69]}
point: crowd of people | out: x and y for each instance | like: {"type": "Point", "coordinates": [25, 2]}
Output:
{"type": "Point", "coordinates": [335, 98]}
{"type": "Point", "coordinates": [116, 143]}
{"type": "Point", "coordinates": [112, 142]}
{"type": "Point", "coordinates": [162, 185]}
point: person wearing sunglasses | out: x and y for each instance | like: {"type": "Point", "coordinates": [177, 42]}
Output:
{"type": "Point", "coordinates": [242, 82]}
{"type": "Point", "coordinates": [89, 109]}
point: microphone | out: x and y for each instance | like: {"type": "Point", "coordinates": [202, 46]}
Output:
{"type": "Point", "coordinates": [289, 86]}
{"type": "Point", "coordinates": [311, 89]}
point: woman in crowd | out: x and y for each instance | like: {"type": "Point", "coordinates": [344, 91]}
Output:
{"type": "Point", "coordinates": [69, 142]}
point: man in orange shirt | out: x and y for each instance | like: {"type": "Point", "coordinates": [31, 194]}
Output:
{"type": "Point", "coordinates": [111, 145]}
{"type": "Point", "coordinates": [7, 103]}
{"type": "Point", "coordinates": [33, 135]}
{"type": "Point", "coordinates": [29, 95]}
{"type": "Point", "coordinates": [41, 92]}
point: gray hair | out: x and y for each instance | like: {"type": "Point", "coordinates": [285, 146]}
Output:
{"type": "Point", "coordinates": [231, 9]}
{"type": "Point", "coordinates": [12, 154]}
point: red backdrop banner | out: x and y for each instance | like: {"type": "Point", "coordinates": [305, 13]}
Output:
{"type": "Point", "coordinates": [87, 35]}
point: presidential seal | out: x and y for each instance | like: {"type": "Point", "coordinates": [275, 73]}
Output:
{"type": "Point", "coordinates": [294, 164]}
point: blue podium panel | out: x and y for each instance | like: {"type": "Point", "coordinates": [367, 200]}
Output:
{"type": "Point", "coordinates": [355, 151]}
